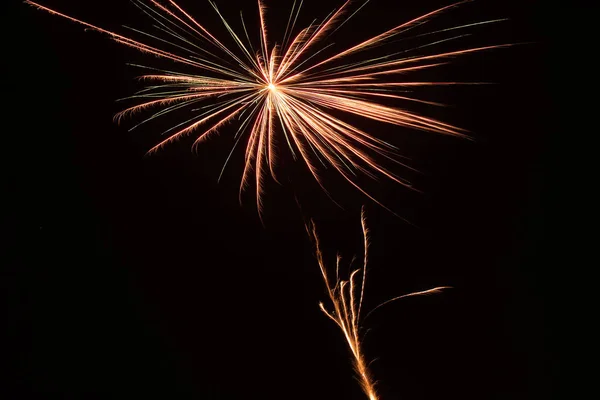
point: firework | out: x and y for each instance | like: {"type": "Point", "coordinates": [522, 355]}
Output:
{"type": "Point", "coordinates": [284, 93]}
{"type": "Point", "coordinates": [346, 297]}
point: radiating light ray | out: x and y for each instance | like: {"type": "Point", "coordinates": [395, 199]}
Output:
{"type": "Point", "coordinates": [346, 301]}
{"type": "Point", "coordinates": [293, 88]}
{"type": "Point", "coordinates": [386, 35]}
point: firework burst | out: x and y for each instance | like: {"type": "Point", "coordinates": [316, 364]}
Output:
{"type": "Point", "coordinates": [346, 298]}
{"type": "Point", "coordinates": [284, 93]}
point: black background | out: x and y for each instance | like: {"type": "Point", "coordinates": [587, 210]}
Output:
{"type": "Point", "coordinates": [141, 276]}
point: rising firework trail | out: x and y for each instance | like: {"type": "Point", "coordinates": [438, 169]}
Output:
{"type": "Point", "coordinates": [346, 298]}
{"type": "Point", "coordinates": [286, 93]}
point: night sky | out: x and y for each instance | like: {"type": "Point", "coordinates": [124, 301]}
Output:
{"type": "Point", "coordinates": [129, 275]}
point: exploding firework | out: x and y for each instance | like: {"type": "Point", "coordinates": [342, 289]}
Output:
{"type": "Point", "coordinates": [346, 297]}
{"type": "Point", "coordinates": [287, 92]}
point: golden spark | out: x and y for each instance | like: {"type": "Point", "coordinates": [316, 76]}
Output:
{"type": "Point", "coordinates": [346, 297]}
{"type": "Point", "coordinates": [286, 91]}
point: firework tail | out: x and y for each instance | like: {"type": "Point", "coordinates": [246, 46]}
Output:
{"type": "Point", "coordinates": [346, 299]}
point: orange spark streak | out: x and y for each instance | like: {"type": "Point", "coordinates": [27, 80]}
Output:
{"type": "Point", "coordinates": [278, 92]}
{"type": "Point", "coordinates": [386, 35]}
{"type": "Point", "coordinates": [346, 297]}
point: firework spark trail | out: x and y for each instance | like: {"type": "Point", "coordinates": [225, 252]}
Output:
{"type": "Point", "coordinates": [346, 297]}
{"type": "Point", "coordinates": [285, 87]}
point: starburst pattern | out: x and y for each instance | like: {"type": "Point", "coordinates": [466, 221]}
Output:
{"type": "Point", "coordinates": [288, 92]}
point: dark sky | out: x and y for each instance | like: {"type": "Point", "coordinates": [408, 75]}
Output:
{"type": "Point", "coordinates": [141, 276]}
